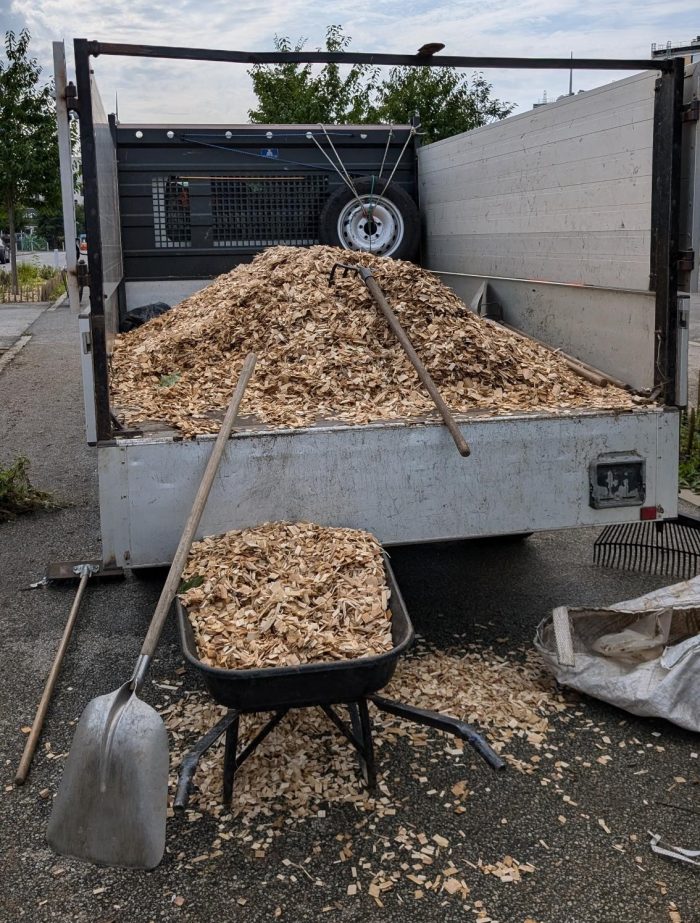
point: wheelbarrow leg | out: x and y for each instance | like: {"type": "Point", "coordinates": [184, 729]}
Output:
{"type": "Point", "coordinates": [230, 763]}
{"type": "Point", "coordinates": [234, 760]}
{"type": "Point", "coordinates": [443, 723]}
{"type": "Point", "coordinates": [362, 729]}
{"type": "Point", "coordinates": [189, 762]}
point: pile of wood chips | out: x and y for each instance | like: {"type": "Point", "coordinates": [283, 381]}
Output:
{"type": "Point", "coordinates": [328, 354]}
{"type": "Point", "coordinates": [285, 593]}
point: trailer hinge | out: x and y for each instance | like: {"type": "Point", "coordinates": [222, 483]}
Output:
{"type": "Point", "coordinates": [691, 111]}
{"type": "Point", "coordinates": [72, 102]}
{"type": "Point", "coordinates": [686, 260]}
{"type": "Point", "coordinates": [87, 344]}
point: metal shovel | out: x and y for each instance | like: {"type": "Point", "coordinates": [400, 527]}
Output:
{"type": "Point", "coordinates": [111, 805]}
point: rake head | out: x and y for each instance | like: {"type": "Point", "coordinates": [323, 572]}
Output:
{"type": "Point", "coordinates": [668, 547]}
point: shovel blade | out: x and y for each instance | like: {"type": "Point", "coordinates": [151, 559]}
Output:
{"type": "Point", "coordinates": [112, 801]}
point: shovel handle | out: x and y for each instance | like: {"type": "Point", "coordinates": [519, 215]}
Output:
{"type": "Point", "coordinates": [172, 581]}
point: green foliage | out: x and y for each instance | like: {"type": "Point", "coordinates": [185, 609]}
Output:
{"type": "Point", "coordinates": [166, 381]}
{"type": "Point", "coordinates": [448, 102]}
{"type": "Point", "coordinates": [29, 173]}
{"type": "Point", "coordinates": [293, 93]}
{"type": "Point", "coordinates": [190, 584]}
{"type": "Point", "coordinates": [49, 225]}
{"type": "Point", "coordinates": [17, 495]}
{"type": "Point", "coordinates": [689, 459]}
{"type": "Point", "coordinates": [33, 283]}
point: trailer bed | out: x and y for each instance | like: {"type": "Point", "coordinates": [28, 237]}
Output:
{"type": "Point", "coordinates": [404, 481]}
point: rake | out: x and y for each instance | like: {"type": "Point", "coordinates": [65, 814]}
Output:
{"type": "Point", "coordinates": [667, 548]}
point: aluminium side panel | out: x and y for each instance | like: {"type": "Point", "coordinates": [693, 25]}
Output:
{"type": "Point", "coordinates": [553, 207]}
{"type": "Point", "coordinates": [404, 483]}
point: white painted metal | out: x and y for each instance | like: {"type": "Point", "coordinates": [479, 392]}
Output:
{"type": "Point", "coordinates": [545, 194]}
{"type": "Point", "coordinates": [380, 234]}
{"type": "Point", "coordinates": [65, 159]}
{"type": "Point", "coordinates": [405, 483]}
{"type": "Point", "coordinates": [88, 376]}
{"type": "Point", "coordinates": [171, 291]}
{"type": "Point", "coordinates": [561, 194]}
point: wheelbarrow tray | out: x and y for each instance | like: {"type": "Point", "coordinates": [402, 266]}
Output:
{"type": "Point", "coordinates": [320, 683]}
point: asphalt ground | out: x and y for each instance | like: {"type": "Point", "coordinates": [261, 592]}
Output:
{"type": "Point", "coordinates": [459, 593]}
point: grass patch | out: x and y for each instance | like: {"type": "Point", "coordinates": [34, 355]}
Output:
{"type": "Point", "coordinates": [18, 496]}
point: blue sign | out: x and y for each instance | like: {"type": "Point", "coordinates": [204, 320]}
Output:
{"type": "Point", "coordinates": [271, 152]}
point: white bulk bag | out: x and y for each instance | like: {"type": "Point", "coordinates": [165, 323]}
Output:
{"type": "Point", "coordinates": [642, 654]}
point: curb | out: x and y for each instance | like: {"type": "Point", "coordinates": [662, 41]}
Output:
{"type": "Point", "coordinates": [16, 347]}
{"type": "Point", "coordinates": [58, 302]}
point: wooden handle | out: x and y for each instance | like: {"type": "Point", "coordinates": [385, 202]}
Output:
{"type": "Point", "coordinates": [183, 549]}
{"type": "Point", "coordinates": [424, 375]}
{"type": "Point", "coordinates": [38, 723]}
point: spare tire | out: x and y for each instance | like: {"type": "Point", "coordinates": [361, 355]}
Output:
{"type": "Point", "coordinates": [384, 221]}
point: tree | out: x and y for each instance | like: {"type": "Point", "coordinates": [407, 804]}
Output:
{"type": "Point", "coordinates": [29, 173]}
{"type": "Point", "coordinates": [292, 93]}
{"type": "Point", "coordinates": [447, 101]}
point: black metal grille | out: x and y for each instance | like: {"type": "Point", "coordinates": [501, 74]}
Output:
{"type": "Point", "coordinates": [171, 212]}
{"type": "Point", "coordinates": [261, 211]}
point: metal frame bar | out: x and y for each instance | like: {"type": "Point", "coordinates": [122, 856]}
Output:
{"type": "Point", "coordinates": [665, 221]}
{"type": "Point", "coordinates": [94, 235]}
{"type": "Point", "coordinates": [338, 57]}
{"type": "Point", "coordinates": [66, 170]}
{"type": "Point", "coordinates": [665, 211]}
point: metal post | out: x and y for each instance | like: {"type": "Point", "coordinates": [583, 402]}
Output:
{"type": "Point", "coordinates": [94, 237]}
{"type": "Point", "coordinates": [665, 214]}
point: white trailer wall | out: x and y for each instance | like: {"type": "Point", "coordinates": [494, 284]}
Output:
{"type": "Point", "coordinates": [560, 194]}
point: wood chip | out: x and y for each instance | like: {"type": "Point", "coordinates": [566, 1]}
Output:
{"type": "Point", "coordinates": [326, 353]}
{"type": "Point", "coordinates": [287, 593]}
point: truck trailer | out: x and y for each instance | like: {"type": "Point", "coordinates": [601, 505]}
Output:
{"type": "Point", "coordinates": [573, 223]}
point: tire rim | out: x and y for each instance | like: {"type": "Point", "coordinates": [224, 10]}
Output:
{"type": "Point", "coordinates": [376, 226]}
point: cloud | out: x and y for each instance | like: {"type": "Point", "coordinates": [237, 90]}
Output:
{"type": "Point", "coordinates": [160, 91]}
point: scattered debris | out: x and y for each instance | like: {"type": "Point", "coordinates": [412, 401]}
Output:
{"type": "Point", "coordinates": [306, 765]}
{"type": "Point", "coordinates": [283, 594]}
{"type": "Point", "coordinates": [328, 354]}
{"type": "Point", "coordinates": [662, 848]}
{"type": "Point", "coordinates": [507, 870]}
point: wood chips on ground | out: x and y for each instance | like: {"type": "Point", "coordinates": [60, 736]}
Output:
{"type": "Point", "coordinates": [283, 594]}
{"type": "Point", "coordinates": [327, 353]}
{"type": "Point", "coordinates": [306, 764]}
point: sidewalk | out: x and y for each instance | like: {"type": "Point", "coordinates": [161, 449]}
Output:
{"type": "Point", "coordinates": [15, 323]}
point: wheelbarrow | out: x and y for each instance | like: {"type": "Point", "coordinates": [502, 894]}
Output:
{"type": "Point", "coordinates": [354, 683]}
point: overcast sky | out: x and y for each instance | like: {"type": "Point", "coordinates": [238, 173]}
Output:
{"type": "Point", "coordinates": [162, 91]}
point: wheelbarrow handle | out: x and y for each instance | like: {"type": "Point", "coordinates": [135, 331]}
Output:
{"type": "Point", "coordinates": [443, 723]}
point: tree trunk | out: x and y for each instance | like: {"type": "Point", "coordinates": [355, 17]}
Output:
{"type": "Point", "coordinates": [13, 247]}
